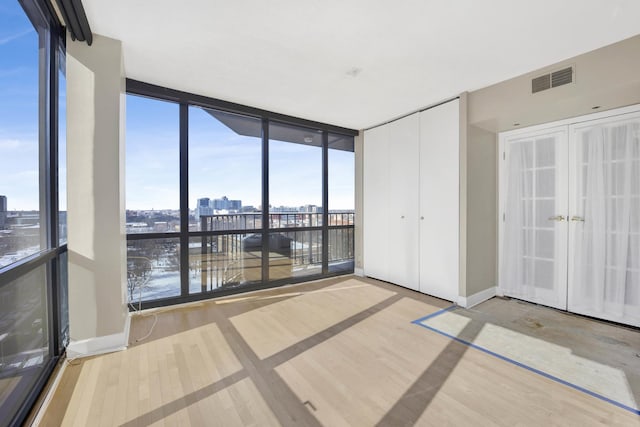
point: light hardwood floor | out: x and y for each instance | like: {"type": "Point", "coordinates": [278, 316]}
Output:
{"type": "Point", "coordinates": [340, 352]}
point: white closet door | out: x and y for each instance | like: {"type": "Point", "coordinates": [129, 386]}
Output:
{"type": "Point", "coordinates": [604, 261]}
{"type": "Point", "coordinates": [439, 201]}
{"type": "Point", "coordinates": [534, 228]}
{"type": "Point", "coordinates": [376, 202]}
{"type": "Point", "coordinates": [403, 202]}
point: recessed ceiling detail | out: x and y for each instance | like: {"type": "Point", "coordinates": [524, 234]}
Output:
{"type": "Point", "coordinates": [306, 59]}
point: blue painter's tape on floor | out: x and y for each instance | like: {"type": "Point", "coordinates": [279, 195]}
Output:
{"type": "Point", "coordinates": [437, 313]}
{"type": "Point", "coordinates": [515, 362]}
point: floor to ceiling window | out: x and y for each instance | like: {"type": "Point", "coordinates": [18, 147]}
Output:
{"type": "Point", "coordinates": [33, 318]}
{"type": "Point", "coordinates": [223, 198]}
{"type": "Point", "coordinates": [152, 199]}
{"type": "Point", "coordinates": [341, 203]}
{"type": "Point", "coordinates": [296, 202]}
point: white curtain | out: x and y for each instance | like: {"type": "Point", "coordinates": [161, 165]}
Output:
{"type": "Point", "coordinates": [517, 269]}
{"type": "Point", "coordinates": [607, 244]}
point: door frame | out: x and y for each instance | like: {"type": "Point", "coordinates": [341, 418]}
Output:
{"type": "Point", "coordinates": [568, 124]}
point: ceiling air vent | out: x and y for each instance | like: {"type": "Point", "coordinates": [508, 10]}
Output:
{"type": "Point", "coordinates": [555, 79]}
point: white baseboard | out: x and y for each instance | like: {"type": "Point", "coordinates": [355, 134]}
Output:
{"type": "Point", "coordinates": [358, 272]}
{"type": "Point", "coordinates": [127, 329]}
{"type": "Point", "coordinates": [477, 298]}
{"type": "Point", "coordinates": [100, 345]}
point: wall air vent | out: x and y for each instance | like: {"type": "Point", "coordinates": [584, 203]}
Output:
{"type": "Point", "coordinates": [541, 83]}
{"type": "Point", "coordinates": [555, 79]}
{"type": "Point", "coordinates": [562, 77]}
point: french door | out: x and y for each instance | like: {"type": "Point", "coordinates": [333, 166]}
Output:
{"type": "Point", "coordinates": [533, 253]}
{"type": "Point", "coordinates": [604, 258]}
{"type": "Point", "coordinates": [570, 231]}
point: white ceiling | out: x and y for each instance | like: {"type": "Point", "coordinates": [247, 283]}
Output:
{"type": "Point", "coordinates": [352, 63]}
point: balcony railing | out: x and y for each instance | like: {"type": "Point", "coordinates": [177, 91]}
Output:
{"type": "Point", "coordinates": [253, 221]}
{"type": "Point", "coordinates": [226, 251]}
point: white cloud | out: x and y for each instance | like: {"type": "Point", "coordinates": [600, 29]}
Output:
{"type": "Point", "coordinates": [9, 144]}
{"type": "Point", "coordinates": [10, 38]}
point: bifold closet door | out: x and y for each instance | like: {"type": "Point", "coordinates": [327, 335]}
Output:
{"type": "Point", "coordinates": [440, 200]}
{"type": "Point", "coordinates": [402, 211]}
{"type": "Point", "coordinates": [533, 261]}
{"type": "Point", "coordinates": [376, 202]}
{"type": "Point", "coordinates": [604, 259]}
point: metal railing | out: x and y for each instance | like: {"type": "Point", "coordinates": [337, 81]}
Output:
{"type": "Point", "coordinates": [253, 220]}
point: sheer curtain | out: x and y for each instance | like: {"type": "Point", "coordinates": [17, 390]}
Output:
{"type": "Point", "coordinates": [607, 244]}
{"type": "Point", "coordinates": [517, 269]}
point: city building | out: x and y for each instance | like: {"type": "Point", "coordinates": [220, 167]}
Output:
{"type": "Point", "coordinates": [228, 205]}
{"type": "Point", "coordinates": [462, 289]}
{"type": "Point", "coordinates": [204, 207]}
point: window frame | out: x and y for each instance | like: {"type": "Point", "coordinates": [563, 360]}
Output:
{"type": "Point", "coordinates": [186, 100]}
{"type": "Point", "coordinates": [51, 56]}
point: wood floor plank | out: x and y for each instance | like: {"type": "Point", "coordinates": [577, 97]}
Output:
{"type": "Point", "coordinates": [341, 352]}
{"type": "Point", "coordinates": [273, 328]}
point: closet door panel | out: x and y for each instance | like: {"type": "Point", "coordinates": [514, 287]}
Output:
{"type": "Point", "coordinates": [604, 258]}
{"type": "Point", "coordinates": [439, 200]}
{"type": "Point", "coordinates": [403, 202]}
{"type": "Point", "coordinates": [534, 224]}
{"type": "Point", "coordinates": [376, 203]}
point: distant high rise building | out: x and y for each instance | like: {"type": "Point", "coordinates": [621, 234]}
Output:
{"type": "Point", "coordinates": [226, 204]}
{"type": "Point", "coordinates": [3, 211]}
{"type": "Point", "coordinates": [204, 207]}
{"type": "Point", "coordinates": [310, 209]}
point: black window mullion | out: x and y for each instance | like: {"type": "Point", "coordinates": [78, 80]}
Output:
{"type": "Point", "coordinates": [265, 200]}
{"type": "Point", "coordinates": [184, 199]}
{"type": "Point", "coordinates": [325, 202]}
{"type": "Point", "coordinates": [49, 178]}
{"type": "Point", "coordinates": [53, 306]}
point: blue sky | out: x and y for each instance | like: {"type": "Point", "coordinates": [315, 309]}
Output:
{"type": "Point", "coordinates": [18, 108]}
{"type": "Point", "coordinates": [221, 162]}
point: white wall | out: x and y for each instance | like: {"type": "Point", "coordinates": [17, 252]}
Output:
{"type": "Point", "coordinates": [95, 185]}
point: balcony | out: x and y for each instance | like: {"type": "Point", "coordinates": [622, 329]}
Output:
{"type": "Point", "coordinates": [225, 252]}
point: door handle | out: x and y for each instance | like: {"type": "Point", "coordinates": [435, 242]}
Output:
{"type": "Point", "coordinates": [577, 218]}
{"type": "Point", "coordinates": [556, 218]}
